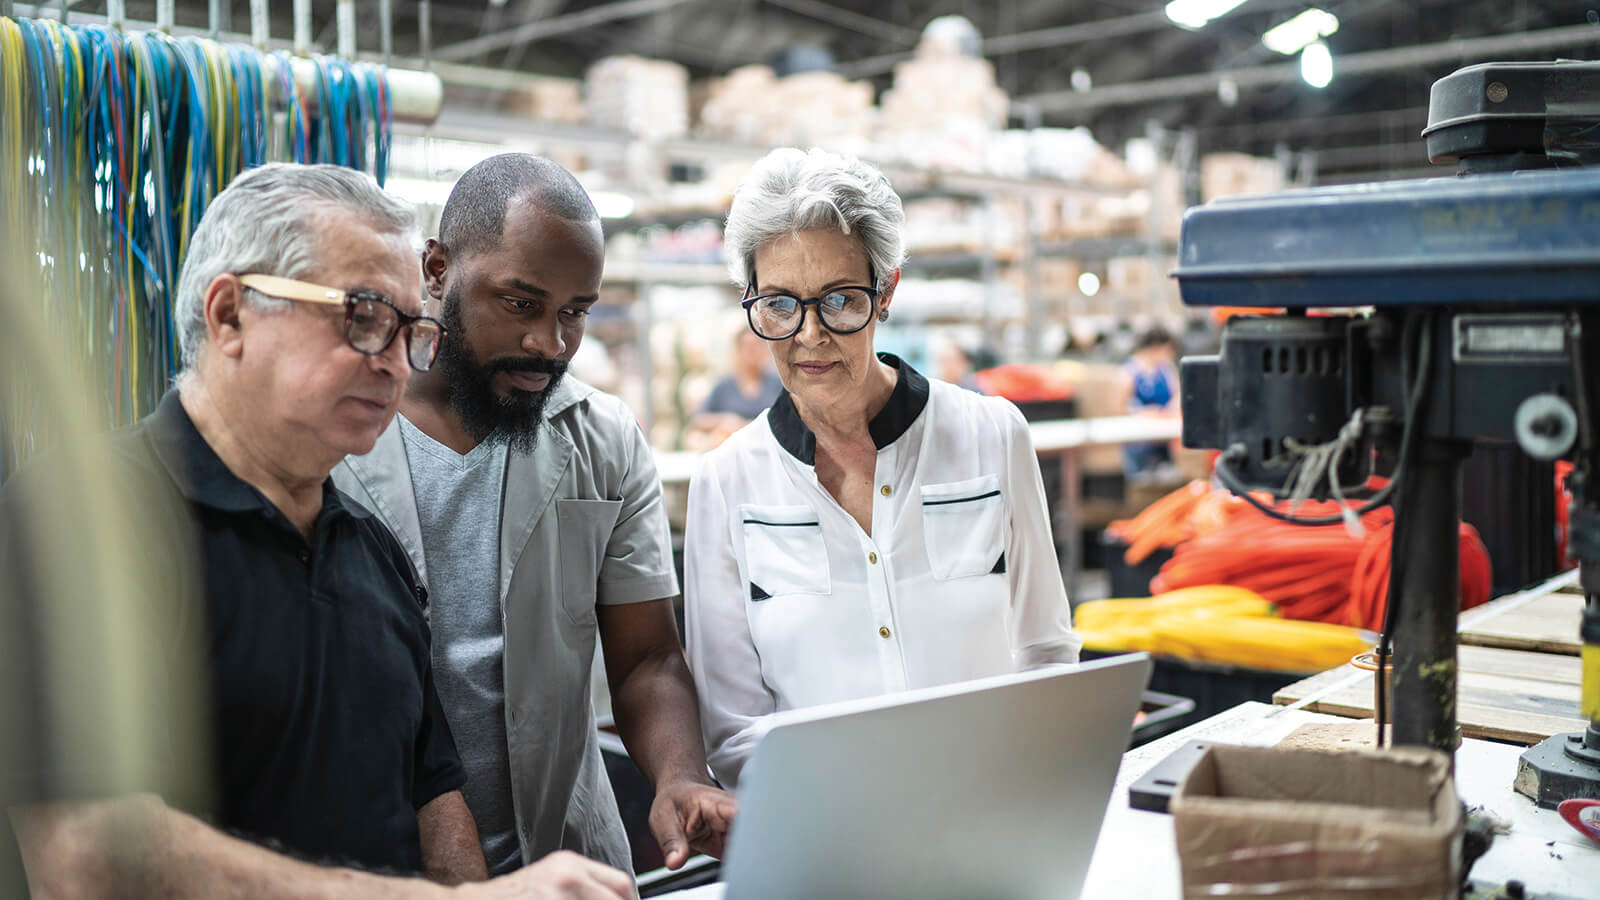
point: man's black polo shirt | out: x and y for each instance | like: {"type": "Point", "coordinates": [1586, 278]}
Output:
{"type": "Point", "coordinates": [327, 732]}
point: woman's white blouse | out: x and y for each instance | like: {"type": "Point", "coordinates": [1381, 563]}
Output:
{"type": "Point", "coordinates": [789, 604]}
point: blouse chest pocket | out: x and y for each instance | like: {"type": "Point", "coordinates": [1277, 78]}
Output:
{"type": "Point", "coordinates": [784, 552]}
{"type": "Point", "coordinates": [964, 527]}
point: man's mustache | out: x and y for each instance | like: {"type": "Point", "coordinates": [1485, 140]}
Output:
{"type": "Point", "coordinates": [535, 364]}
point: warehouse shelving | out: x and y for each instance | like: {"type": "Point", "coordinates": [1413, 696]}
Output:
{"type": "Point", "coordinates": [644, 165]}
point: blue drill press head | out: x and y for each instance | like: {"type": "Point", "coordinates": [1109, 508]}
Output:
{"type": "Point", "coordinates": [1492, 268]}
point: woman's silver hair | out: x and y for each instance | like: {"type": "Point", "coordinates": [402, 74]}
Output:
{"type": "Point", "coordinates": [790, 191]}
{"type": "Point", "coordinates": [266, 223]}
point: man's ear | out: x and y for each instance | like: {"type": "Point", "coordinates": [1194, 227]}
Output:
{"type": "Point", "coordinates": [435, 266]}
{"type": "Point", "coordinates": [223, 303]}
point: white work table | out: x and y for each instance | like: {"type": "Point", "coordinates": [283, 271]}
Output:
{"type": "Point", "coordinates": [1136, 854]}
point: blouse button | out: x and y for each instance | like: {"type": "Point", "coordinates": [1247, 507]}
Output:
{"type": "Point", "coordinates": [883, 632]}
{"type": "Point", "coordinates": [872, 558]}
{"type": "Point", "coordinates": [885, 490]}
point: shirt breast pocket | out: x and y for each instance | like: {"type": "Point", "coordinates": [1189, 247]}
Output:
{"type": "Point", "coordinates": [784, 551]}
{"type": "Point", "coordinates": [584, 533]}
{"type": "Point", "coordinates": [963, 526]}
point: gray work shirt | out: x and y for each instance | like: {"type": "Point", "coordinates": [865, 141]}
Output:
{"type": "Point", "coordinates": [582, 523]}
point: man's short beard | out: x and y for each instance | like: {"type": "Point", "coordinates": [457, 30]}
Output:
{"type": "Point", "coordinates": [513, 419]}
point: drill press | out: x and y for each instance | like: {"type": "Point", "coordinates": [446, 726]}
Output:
{"type": "Point", "coordinates": [1422, 316]}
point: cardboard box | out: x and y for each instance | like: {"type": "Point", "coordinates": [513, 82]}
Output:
{"type": "Point", "coordinates": [1238, 174]}
{"type": "Point", "coordinates": [1257, 821]}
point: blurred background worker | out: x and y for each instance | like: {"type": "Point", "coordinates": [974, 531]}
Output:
{"type": "Point", "coordinates": [740, 395]}
{"type": "Point", "coordinates": [1148, 385]}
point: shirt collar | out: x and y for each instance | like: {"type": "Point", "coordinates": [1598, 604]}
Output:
{"type": "Point", "coordinates": [201, 474]}
{"type": "Point", "coordinates": [906, 402]}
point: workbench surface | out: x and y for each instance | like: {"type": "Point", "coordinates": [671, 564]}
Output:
{"type": "Point", "coordinates": [1136, 855]}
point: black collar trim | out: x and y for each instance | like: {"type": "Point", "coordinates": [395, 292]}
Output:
{"type": "Point", "coordinates": [905, 404]}
{"type": "Point", "coordinates": [201, 474]}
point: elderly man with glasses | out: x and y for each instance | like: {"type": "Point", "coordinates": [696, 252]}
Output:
{"type": "Point", "coordinates": [298, 316]}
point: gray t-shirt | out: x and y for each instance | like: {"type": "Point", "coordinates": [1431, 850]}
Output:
{"type": "Point", "coordinates": [458, 507]}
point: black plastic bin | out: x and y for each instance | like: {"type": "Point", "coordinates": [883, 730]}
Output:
{"type": "Point", "coordinates": [1213, 688]}
{"type": "Point", "coordinates": [1126, 580]}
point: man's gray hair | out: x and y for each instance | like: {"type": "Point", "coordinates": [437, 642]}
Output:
{"type": "Point", "coordinates": [266, 223]}
{"type": "Point", "coordinates": [790, 191]}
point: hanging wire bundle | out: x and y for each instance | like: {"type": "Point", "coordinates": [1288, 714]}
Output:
{"type": "Point", "coordinates": [111, 147]}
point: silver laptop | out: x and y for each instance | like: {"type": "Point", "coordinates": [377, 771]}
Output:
{"type": "Point", "coordinates": [985, 789]}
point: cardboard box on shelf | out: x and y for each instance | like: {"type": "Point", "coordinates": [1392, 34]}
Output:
{"type": "Point", "coordinates": [1142, 277]}
{"type": "Point", "coordinates": [645, 97]}
{"type": "Point", "coordinates": [1254, 821]}
{"type": "Point", "coordinates": [548, 100]}
{"type": "Point", "coordinates": [806, 109]}
{"type": "Point", "coordinates": [1094, 388]}
{"type": "Point", "coordinates": [1235, 174]}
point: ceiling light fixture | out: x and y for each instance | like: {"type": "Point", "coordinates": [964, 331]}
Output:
{"type": "Point", "coordinates": [1196, 13]}
{"type": "Point", "coordinates": [1316, 65]}
{"type": "Point", "coordinates": [1301, 31]}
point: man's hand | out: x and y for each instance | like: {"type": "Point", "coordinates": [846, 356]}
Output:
{"type": "Point", "coordinates": [690, 816]}
{"type": "Point", "coordinates": [563, 875]}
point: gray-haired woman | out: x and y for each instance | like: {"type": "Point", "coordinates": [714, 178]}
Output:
{"type": "Point", "coordinates": [874, 530]}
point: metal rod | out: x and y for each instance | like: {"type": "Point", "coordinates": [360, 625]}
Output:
{"type": "Point", "coordinates": [260, 24]}
{"type": "Point", "coordinates": [302, 27]}
{"type": "Point", "coordinates": [65, 5]}
{"type": "Point", "coordinates": [425, 32]}
{"type": "Point", "coordinates": [845, 19]}
{"type": "Point", "coordinates": [386, 30]}
{"type": "Point", "coordinates": [345, 17]}
{"type": "Point", "coordinates": [214, 18]}
{"type": "Point", "coordinates": [578, 21]}
{"type": "Point", "coordinates": [1428, 557]}
{"type": "Point", "coordinates": [166, 16]}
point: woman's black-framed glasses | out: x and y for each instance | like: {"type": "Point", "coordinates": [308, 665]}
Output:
{"type": "Point", "coordinates": [842, 310]}
{"type": "Point", "coordinates": [371, 320]}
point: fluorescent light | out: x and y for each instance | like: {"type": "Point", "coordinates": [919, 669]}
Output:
{"type": "Point", "coordinates": [1296, 34]}
{"type": "Point", "coordinates": [418, 191]}
{"type": "Point", "coordinates": [1228, 92]}
{"type": "Point", "coordinates": [612, 205]}
{"type": "Point", "coordinates": [1088, 284]}
{"type": "Point", "coordinates": [1196, 13]}
{"type": "Point", "coordinates": [1316, 65]}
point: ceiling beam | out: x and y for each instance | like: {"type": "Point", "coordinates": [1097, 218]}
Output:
{"type": "Point", "coordinates": [545, 28]}
{"type": "Point", "coordinates": [1060, 36]}
{"type": "Point", "coordinates": [844, 18]}
{"type": "Point", "coordinates": [529, 11]}
{"type": "Point", "coordinates": [1341, 124]}
{"type": "Point", "coordinates": [1353, 64]}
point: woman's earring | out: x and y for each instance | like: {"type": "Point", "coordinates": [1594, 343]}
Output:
{"type": "Point", "coordinates": [883, 315]}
